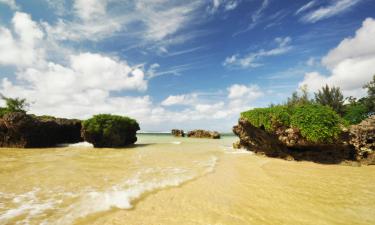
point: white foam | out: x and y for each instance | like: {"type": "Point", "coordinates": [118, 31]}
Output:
{"type": "Point", "coordinates": [122, 195]}
{"type": "Point", "coordinates": [80, 144]}
{"type": "Point", "coordinates": [27, 204]}
{"type": "Point", "coordinates": [231, 150]}
{"type": "Point", "coordinates": [176, 142]}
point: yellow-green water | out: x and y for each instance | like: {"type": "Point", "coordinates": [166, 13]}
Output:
{"type": "Point", "coordinates": [166, 180]}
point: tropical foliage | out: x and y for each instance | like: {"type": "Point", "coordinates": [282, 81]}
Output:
{"type": "Point", "coordinates": [331, 97]}
{"type": "Point", "coordinates": [107, 130]}
{"type": "Point", "coordinates": [316, 122]}
{"type": "Point", "coordinates": [13, 105]}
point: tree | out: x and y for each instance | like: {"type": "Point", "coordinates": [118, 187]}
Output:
{"type": "Point", "coordinates": [297, 99]}
{"type": "Point", "coordinates": [13, 105]}
{"type": "Point", "coordinates": [332, 97]}
{"type": "Point", "coordinates": [370, 99]}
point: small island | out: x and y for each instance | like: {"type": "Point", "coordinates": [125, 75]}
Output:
{"type": "Point", "coordinates": [323, 130]}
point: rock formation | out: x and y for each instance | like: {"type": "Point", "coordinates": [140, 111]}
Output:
{"type": "Point", "coordinates": [27, 131]}
{"type": "Point", "coordinates": [204, 134]}
{"type": "Point", "coordinates": [110, 131]}
{"type": "Point", "coordinates": [288, 143]}
{"type": "Point", "coordinates": [178, 133]}
{"type": "Point", "coordinates": [258, 140]}
{"type": "Point", "coordinates": [362, 137]}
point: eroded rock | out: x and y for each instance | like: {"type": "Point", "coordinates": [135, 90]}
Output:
{"type": "Point", "coordinates": [362, 137]}
{"type": "Point", "coordinates": [204, 134]}
{"type": "Point", "coordinates": [27, 131]}
{"type": "Point", "coordinates": [288, 143]}
{"type": "Point", "coordinates": [178, 133]}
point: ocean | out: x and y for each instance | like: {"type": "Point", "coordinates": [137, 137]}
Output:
{"type": "Point", "coordinates": [168, 180]}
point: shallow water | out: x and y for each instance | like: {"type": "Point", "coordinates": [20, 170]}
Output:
{"type": "Point", "coordinates": [166, 180]}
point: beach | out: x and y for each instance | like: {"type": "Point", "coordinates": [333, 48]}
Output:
{"type": "Point", "coordinates": [168, 180]}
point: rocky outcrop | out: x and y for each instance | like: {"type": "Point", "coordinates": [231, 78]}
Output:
{"type": "Point", "coordinates": [258, 140]}
{"type": "Point", "coordinates": [27, 131]}
{"type": "Point", "coordinates": [362, 137]}
{"type": "Point", "coordinates": [110, 131]}
{"type": "Point", "coordinates": [178, 133]}
{"type": "Point", "coordinates": [204, 134]}
{"type": "Point", "coordinates": [289, 144]}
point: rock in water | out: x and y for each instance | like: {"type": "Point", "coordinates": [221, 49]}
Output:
{"type": "Point", "coordinates": [258, 140]}
{"type": "Point", "coordinates": [27, 131]}
{"type": "Point", "coordinates": [362, 137]}
{"type": "Point", "coordinates": [204, 134]}
{"type": "Point", "coordinates": [288, 143]}
{"type": "Point", "coordinates": [110, 131]}
{"type": "Point", "coordinates": [178, 133]}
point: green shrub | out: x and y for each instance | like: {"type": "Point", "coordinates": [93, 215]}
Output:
{"type": "Point", "coordinates": [355, 113]}
{"type": "Point", "coordinates": [13, 105]}
{"type": "Point", "coordinates": [105, 130]}
{"type": "Point", "coordinates": [269, 118]}
{"type": "Point", "coordinates": [317, 123]}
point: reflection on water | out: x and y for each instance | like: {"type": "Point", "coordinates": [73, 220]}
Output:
{"type": "Point", "coordinates": [166, 180]}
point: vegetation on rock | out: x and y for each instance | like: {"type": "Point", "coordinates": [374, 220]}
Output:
{"type": "Point", "coordinates": [316, 123]}
{"type": "Point", "coordinates": [331, 97]}
{"type": "Point", "coordinates": [105, 130]}
{"type": "Point", "coordinates": [13, 105]}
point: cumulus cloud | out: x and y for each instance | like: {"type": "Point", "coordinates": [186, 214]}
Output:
{"type": "Point", "coordinates": [335, 8]}
{"type": "Point", "coordinates": [351, 63]}
{"type": "Point", "coordinates": [187, 99]}
{"type": "Point", "coordinates": [11, 3]}
{"type": "Point", "coordinates": [251, 60]}
{"type": "Point", "coordinates": [23, 48]}
{"type": "Point", "coordinates": [69, 88]}
{"type": "Point", "coordinates": [242, 91]}
{"type": "Point", "coordinates": [238, 98]}
{"type": "Point", "coordinates": [87, 80]}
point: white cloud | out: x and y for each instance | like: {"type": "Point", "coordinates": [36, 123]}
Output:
{"type": "Point", "coordinates": [242, 91]}
{"type": "Point", "coordinates": [351, 63]}
{"type": "Point", "coordinates": [90, 9]}
{"type": "Point", "coordinates": [251, 60]}
{"type": "Point", "coordinates": [154, 20]}
{"type": "Point", "coordinates": [335, 8]}
{"type": "Point", "coordinates": [305, 7]}
{"type": "Point", "coordinates": [187, 99]}
{"type": "Point", "coordinates": [225, 5]}
{"type": "Point", "coordinates": [361, 46]}
{"type": "Point", "coordinates": [202, 109]}
{"type": "Point", "coordinates": [58, 6]}
{"type": "Point", "coordinates": [89, 79]}
{"type": "Point", "coordinates": [311, 61]}
{"type": "Point", "coordinates": [24, 48]}
{"type": "Point", "coordinates": [255, 17]}
{"type": "Point", "coordinates": [11, 3]}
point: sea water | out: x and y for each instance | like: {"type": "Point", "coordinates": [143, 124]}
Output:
{"type": "Point", "coordinates": [168, 180]}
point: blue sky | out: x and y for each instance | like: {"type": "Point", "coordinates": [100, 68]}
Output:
{"type": "Point", "coordinates": [180, 64]}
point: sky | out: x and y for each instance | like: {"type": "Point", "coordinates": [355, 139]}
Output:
{"type": "Point", "coordinates": [180, 64]}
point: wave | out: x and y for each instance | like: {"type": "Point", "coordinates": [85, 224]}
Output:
{"type": "Point", "coordinates": [123, 195]}
{"type": "Point", "coordinates": [231, 150]}
{"type": "Point", "coordinates": [30, 205]}
{"type": "Point", "coordinates": [80, 144]}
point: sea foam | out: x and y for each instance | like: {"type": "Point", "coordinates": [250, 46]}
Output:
{"type": "Point", "coordinates": [123, 195]}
